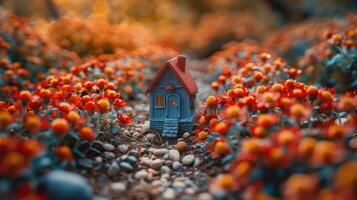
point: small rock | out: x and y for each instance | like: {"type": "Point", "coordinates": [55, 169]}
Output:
{"type": "Point", "coordinates": [132, 160]}
{"type": "Point", "coordinates": [126, 166]}
{"type": "Point", "coordinates": [196, 162]}
{"type": "Point", "coordinates": [156, 183]}
{"type": "Point", "coordinates": [156, 164]}
{"type": "Point", "coordinates": [188, 159]}
{"type": "Point", "coordinates": [109, 155]}
{"type": "Point", "coordinates": [85, 163]}
{"type": "Point", "coordinates": [159, 152]}
{"type": "Point", "coordinates": [108, 147]}
{"type": "Point", "coordinates": [174, 155]}
{"type": "Point", "coordinates": [134, 153]}
{"type": "Point", "coordinates": [178, 184]}
{"type": "Point", "coordinates": [169, 193]}
{"type": "Point", "coordinates": [113, 169]}
{"type": "Point", "coordinates": [186, 135]}
{"type": "Point", "coordinates": [136, 134]}
{"type": "Point", "coordinates": [168, 162]}
{"type": "Point", "coordinates": [205, 196]}
{"type": "Point", "coordinates": [181, 146]}
{"type": "Point", "coordinates": [176, 165]}
{"type": "Point", "coordinates": [118, 187]}
{"type": "Point", "coordinates": [98, 145]}
{"type": "Point", "coordinates": [98, 160]}
{"type": "Point", "coordinates": [60, 185]}
{"type": "Point", "coordinates": [189, 191]}
{"type": "Point", "coordinates": [123, 148]}
{"type": "Point", "coordinates": [142, 174]}
{"type": "Point", "coordinates": [165, 170]}
{"type": "Point", "coordinates": [146, 161]}
{"type": "Point", "coordinates": [150, 136]}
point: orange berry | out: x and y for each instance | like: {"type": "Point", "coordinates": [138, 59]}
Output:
{"type": "Point", "coordinates": [86, 133]}
{"type": "Point", "coordinates": [103, 105]}
{"type": "Point", "coordinates": [312, 90]}
{"type": "Point", "coordinates": [336, 131]}
{"type": "Point", "coordinates": [211, 101]}
{"type": "Point", "coordinates": [73, 117]}
{"type": "Point", "coordinates": [324, 151]}
{"type": "Point", "coordinates": [32, 123]}
{"type": "Point", "coordinates": [276, 155]}
{"type": "Point", "coordinates": [226, 181]}
{"type": "Point", "coordinates": [346, 103]}
{"type": "Point", "coordinates": [336, 39]}
{"type": "Point", "coordinates": [326, 95]}
{"type": "Point", "coordinates": [45, 93]}
{"type": "Point", "coordinates": [221, 147]}
{"type": "Point", "coordinates": [261, 89]}
{"type": "Point", "coordinates": [202, 135]}
{"type": "Point", "coordinates": [259, 131]}
{"type": "Point", "coordinates": [277, 87]}
{"type": "Point", "coordinates": [299, 111]}
{"type": "Point", "coordinates": [221, 128]}
{"type": "Point", "coordinates": [243, 169]}
{"type": "Point", "coordinates": [300, 186]}
{"type": "Point", "coordinates": [266, 120]}
{"type": "Point", "coordinates": [5, 119]}
{"type": "Point", "coordinates": [258, 76]}
{"type": "Point", "coordinates": [60, 126]}
{"type": "Point", "coordinates": [286, 137]}
{"type": "Point", "coordinates": [64, 107]}
{"type": "Point", "coordinates": [251, 145]}
{"type": "Point", "coordinates": [13, 163]}
{"type": "Point", "coordinates": [233, 111]}
{"type": "Point", "coordinates": [215, 85]}
{"type": "Point", "coordinates": [25, 95]}
{"type": "Point", "coordinates": [64, 153]}
{"type": "Point", "coordinates": [306, 146]}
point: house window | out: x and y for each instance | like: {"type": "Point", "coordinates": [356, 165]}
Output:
{"type": "Point", "coordinates": [159, 101]}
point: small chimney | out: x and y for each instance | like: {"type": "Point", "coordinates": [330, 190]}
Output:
{"type": "Point", "coordinates": [181, 62]}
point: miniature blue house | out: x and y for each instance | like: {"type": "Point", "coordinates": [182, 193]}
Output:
{"type": "Point", "coordinates": [172, 99]}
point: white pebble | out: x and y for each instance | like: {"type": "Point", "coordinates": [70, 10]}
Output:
{"type": "Point", "coordinates": [188, 159]}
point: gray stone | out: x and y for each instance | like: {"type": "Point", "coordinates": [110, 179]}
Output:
{"type": "Point", "coordinates": [145, 161]}
{"type": "Point", "coordinates": [126, 166]}
{"type": "Point", "coordinates": [186, 135]}
{"type": "Point", "coordinates": [205, 196]}
{"type": "Point", "coordinates": [136, 134]}
{"type": "Point", "coordinates": [156, 164]}
{"type": "Point", "coordinates": [123, 148]}
{"type": "Point", "coordinates": [113, 169]}
{"type": "Point", "coordinates": [142, 174]}
{"type": "Point", "coordinates": [176, 165]}
{"type": "Point", "coordinates": [132, 160]}
{"type": "Point", "coordinates": [188, 159]}
{"type": "Point", "coordinates": [60, 185]}
{"type": "Point", "coordinates": [117, 187]}
{"type": "Point", "coordinates": [196, 162]}
{"type": "Point", "coordinates": [109, 155]}
{"type": "Point", "coordinates": [178, 184]}
{"type": "Point", "coordinates": [169, 193]}
{"type": "Point", "coordinates": [159, 152]}
{"type": "Point", "coordinates": [98, 160]}
{"type": "Point", "coordinates": [108, 147]}
{"type": "Point", "coordinates": [150, 136]}
{"type": "Point", "coordinates": [165, 169]}
{"type": "Point", "coordinates": [85, 163]}
{"type": "Point", "coordinates": [174, 155]}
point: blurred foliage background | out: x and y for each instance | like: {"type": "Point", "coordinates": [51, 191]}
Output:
{"type": "Point", "coordinates": [198, 27]}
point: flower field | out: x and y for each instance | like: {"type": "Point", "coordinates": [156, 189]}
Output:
{"type": "Point", "coordinates": [276, 108]}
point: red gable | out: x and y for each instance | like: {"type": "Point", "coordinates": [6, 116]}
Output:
{"type": "Point", "coordinates": [178, 66]}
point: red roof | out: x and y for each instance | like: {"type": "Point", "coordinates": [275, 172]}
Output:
{"type": "Point", "coordinates": [178, 66]}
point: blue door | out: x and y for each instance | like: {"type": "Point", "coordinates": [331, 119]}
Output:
{"type": "Point", "coordinates": [173, 106]}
